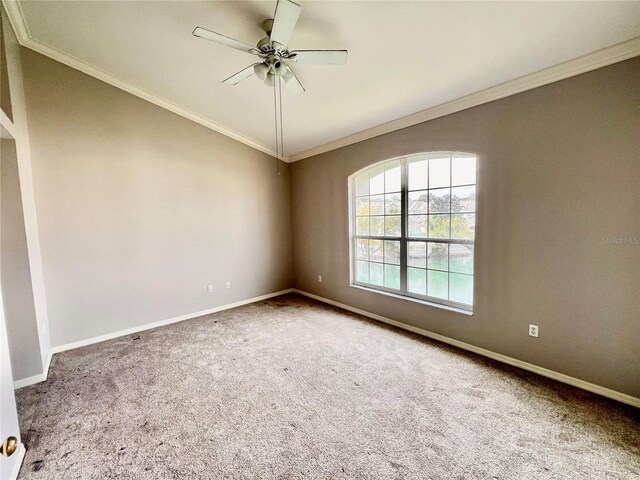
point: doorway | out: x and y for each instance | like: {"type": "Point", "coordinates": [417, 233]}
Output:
{"type": "Point", "coordinates": [12, 448]}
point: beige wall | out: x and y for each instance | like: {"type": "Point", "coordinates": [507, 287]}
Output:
{"type": "Point", "coordinates": [15, 275]}
{"type": "Point", "coordinates": [559, 171]}
{"type": "Point", "coordinates": [140, 209]}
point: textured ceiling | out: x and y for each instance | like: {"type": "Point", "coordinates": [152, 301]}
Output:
{"type": "Point", "coordinates": [403, 56]}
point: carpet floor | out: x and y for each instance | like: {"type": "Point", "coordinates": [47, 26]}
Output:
{"type": "Point", "coordinates": [291, 388]}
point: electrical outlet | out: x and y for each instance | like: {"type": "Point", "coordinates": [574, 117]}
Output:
{"type": "Point", "coordinates": [319, 278]}
{"type": "Point", "coordinates": [533, 330]}
{"type": "Point", "coordinates": [210, 288]}
{"type": "Point", "coordinates": [227, 285]}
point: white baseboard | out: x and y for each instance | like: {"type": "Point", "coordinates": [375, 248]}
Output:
{"type": "Point", "coordinates": [25, 382]}
{"type": "Point", "coordinates": [168, 321]}
{"type": "Point", "coordinates": [20, 457]}
{"type": "Point", "coordinates": [561, 377]}
{"type": "Point", "coordinates": [41, 377]}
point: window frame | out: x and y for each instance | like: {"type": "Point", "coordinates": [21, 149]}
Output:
{"type": "Point", "coordinates": [404, 237]}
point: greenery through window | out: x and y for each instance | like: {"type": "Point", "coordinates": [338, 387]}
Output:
{"type": "Point", "coordinates": [413, 225]}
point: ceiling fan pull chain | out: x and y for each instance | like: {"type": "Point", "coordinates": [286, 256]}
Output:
{"type": "Point", "coordinates": [275, 116]}
{"type": "Point", "coordinates": [277, 110]}
{"type": "Point", "coordinates": [281, 116]}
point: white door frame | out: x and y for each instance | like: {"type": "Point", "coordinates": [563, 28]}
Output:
{"type": "Point", "coordinates": [9, 426]}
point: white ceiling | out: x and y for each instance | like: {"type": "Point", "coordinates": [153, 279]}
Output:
{"type": "Point", "coordinates": [404, 57]}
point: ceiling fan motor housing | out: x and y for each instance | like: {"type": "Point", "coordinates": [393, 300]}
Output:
{"type": "Point", "coordinates": [266, 46]}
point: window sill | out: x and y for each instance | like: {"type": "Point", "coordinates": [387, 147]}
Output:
{"type": "Point", "coordinates": [415, 300]}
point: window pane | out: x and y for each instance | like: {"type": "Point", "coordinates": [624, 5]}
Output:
{"type": "Point", "coordinates": [376, 226]}
{"type": "Point", "coordinates": [362, 184]}
{"type": "Point", "coordinates": [392, 226]}
{"type": "Point", "coordinates": [461, 288]}
{"type": "Point", "coordinates": [463, 226]}
{"type": "Point", "coordinates": [376, 205]}
{"type": "Point", "coordinates": [362, 249]}
{"type": "Point", "coordinates": [376, 180]}
{"type": "Point", "coordinates": [417, 254]}
{"type": "Point", "coordinates": [418, 174]}
{"type": "Point", "coordinates": [392, 276]}
{"type": "Point", "coordinates": [418, 201]}
{"type": "Point", "coordinates": [362, 206]}
{"type": "Point", "coordinates": [418, 226]}
{"type": "Point", "coordinates": [461, 258]}
{"type": "Point", "coordinates": [392, 176]}
{"type": "Point", "coordinates": [376, 274]}
{"type": "Point", "coordinates": [463, 199]}
{"type": "Point", "coordinates": [440, 200]}
{"type": "Point", "coordinates": [440, 217]}
{"type": "Point", "coordinates": [392, 204]}
{"type": "Point", "coordinates": [392, 252]}
{"type": "Point", "coordinates": [375, 251]}
{"type": "Point", "coordinates": [439, 171]}
{"type": "Point", "coordinates": [463, 169]}
{"type": "Point", "coordinates": [362, 271]}
{"type": "Point", "coordinates": [417, 280]}
{"type": "Point", "coordinates": [439, 226]}
{"type": "Point", "coordinates": [438, 256]}
{"type": "Point", "coordinates": [437, 284]}
{"type": "Point", "coordinates": [362, 226]}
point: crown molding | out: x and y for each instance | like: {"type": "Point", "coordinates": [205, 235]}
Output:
{"type": "Point", "coordinates": [600, 58]}
{"type": "Point", "coordinates": [19, 25]}
{"type": "Point", "coordinates": [16, 18]}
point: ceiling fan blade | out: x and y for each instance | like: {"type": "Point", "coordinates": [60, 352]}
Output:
{"type": "Point", "coordinates": [218, 38]}
{"type": "Point", "coordinates": [319, 57]}
{"type": "Point", "coordinates": [284, 21]}
{"type": "Point", "coordinates": [292, 83]}
{"type": "Point", "coordinates": [241, 75]}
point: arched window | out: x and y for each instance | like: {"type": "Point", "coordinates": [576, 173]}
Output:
{"type": "Point", "coordinates": [413, 227]}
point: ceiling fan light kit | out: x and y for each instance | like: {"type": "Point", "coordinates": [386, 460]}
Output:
{"type": "Point", "coordinates": [270, 80]}
{"type": "Point", "coordinates": [261, 70]}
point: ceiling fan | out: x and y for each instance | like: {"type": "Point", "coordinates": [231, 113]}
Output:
{"type": "Point", "coordinates": [273, 50]}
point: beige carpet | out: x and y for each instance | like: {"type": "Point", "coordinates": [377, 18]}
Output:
{"type": "Point", "coordinates": [290, 388]}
